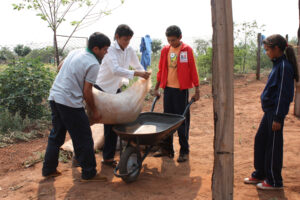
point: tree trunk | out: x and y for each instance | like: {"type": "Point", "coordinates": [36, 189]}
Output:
{"type": "Point", "coordinates": [297, 96]}
{"type": "Point", "coordinates": [258, 56]}
{"type": "Point", "coordinates": [223, 105]}
{"type": "Point", "coordinates": [56, 53]}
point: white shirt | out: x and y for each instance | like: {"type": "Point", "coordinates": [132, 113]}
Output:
{"type": "Point", "coordinates": [115, 67]}
{"type": "Point", "coordinates": [67, 89]}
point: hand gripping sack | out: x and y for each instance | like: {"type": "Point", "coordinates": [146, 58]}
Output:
{"type": "Point", "coordinates": [123, 107]}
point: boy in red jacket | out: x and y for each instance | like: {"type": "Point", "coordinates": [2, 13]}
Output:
{"type": "Point", "coordinates": [177, 73]}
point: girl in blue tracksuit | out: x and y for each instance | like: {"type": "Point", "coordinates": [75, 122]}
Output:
{"type": "Point", "coordinates": [275, 101]}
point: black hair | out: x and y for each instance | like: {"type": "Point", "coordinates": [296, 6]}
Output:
{"type": "Point", "coordinates": [123, 30]}
{"type": "Point", "coordinates": [99, 40]}
{"type": "Point", "coordinates": [280, 41]}
{"type": "Point", "coordinates": [173, 31]}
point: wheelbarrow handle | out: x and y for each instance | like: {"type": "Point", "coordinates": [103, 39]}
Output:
{"type": "Point", "coordinates": [154, 102]}
{"type": "Point", "coordinates": [188, 106]}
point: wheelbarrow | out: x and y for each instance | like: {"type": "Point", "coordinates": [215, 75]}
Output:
{"type": "Point", "coordinates": [149, 129]}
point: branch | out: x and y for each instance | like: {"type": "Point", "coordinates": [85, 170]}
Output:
{"type": "Point", "coordinates": [44, 12]}
{"type": "Point", "coordinates": [52, 15]}
{"type": "Point", "coordinates": [74, 30]}
{"type": "Point", "coordinates": [64, 14]}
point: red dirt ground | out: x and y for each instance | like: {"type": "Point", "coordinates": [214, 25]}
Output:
{"type": "Point", "coordinates": [164, 178]}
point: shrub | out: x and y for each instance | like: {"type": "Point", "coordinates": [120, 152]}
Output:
{"type": "Point", "coordinates": [24, 87]}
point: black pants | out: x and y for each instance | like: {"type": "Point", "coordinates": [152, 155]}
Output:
{"type": "Point", "coordinates": [110, 137]}
{"type": "Point", "coordinates": [75, 121]}
{"type": "Point", "coordinates": [175, 102]}
{"type": "Point", "coordinates": [268, 152]}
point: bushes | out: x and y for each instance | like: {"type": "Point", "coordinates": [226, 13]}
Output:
{"type": "Point", "coordinates": [24, 87]}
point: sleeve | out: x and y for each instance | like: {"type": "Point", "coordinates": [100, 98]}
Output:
{"type": "Point", "coordinates": [117, 70]}
{"type": "Point", "coordinates": [160, 65]}
{"type": "Point", "coordinates": [193, 69]}
{"type": "Point", "coordinates": [92, 73]}
{"type": "Point", "coordinates": [134, 61]}
{"type": "Point", "coordinates": [285, 92]}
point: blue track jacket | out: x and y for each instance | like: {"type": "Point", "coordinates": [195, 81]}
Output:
{"type": "Point", "coordinates": [279, 91]}
{"type": "Point", "coordinates": [146, 49]}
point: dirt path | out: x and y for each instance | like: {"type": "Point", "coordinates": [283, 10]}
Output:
{"type": "Point", "coordinates": [165, 178]}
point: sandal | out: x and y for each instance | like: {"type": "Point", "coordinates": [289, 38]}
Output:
{"type": "Point", "coordinates": [111, 163]}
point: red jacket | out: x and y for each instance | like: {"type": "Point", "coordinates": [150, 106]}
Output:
{"type": "Point", "coordinates": [186, 68]}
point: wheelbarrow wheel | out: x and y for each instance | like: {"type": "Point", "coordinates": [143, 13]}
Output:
{"type": "Point", "coordinates": [130, 163]}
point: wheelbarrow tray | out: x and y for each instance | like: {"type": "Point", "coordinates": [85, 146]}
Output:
{"type": "Point", "coordinates": [162, 125]}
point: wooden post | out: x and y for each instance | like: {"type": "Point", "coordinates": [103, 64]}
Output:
{"type": "Point", "coordinates": [258, 56]}
{"type": "Point", "coordinates": [297, 95]}
{"type": "Point", "coordinates": [223, 106]}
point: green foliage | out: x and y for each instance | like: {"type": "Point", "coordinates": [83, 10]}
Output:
{"type": "Point", "coordinates": [65, 156]}
{"type": "Point", "coordinates": [202, 46]}
{"type": "Point", "coordinates": [204, 62]}
{"type": "Point", "coordinates": [46, 55]}
{"type": "Point", "coordinates": [245, 36]}
{"type": "Point", "coordinates": [24, 87]}
{"type": "Point", "coordinates": [6, 55]}
{"type": "Point", "coordinates": [12, 122]}
{"type": "Point", "coordinates": [22, 50]}
{"type": "Point", "coordinates": [156, 46]}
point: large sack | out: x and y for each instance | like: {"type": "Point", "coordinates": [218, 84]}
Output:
{"type": "Point", "coordinates": [98, 137]}
{"type": "Point", "coordinates": [123, 107]}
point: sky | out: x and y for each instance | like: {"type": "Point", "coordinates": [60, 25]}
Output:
{"type": "Point", "coordinates": [153, 17]}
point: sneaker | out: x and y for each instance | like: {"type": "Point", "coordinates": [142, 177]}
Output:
{"type": "Point", "coordinates": [252, 180]}
{"type": "Point", "coordinates": [265, 186]}
{"type": "Point", "coordinates": [96, 178]}
{"type": "Point", "coordinates": [110, 163]}
{"type": "Point", "coordinates": [183, 157]}
{"type": "Point", "coordinates": [54, 174]}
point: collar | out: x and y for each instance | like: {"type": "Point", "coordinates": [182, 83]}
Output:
{"type": "Point", "coordinates": [90, 51]}
{"type": "Point", "coordinates": [116, 44]}
{"type": "Point", "coordinates": [183, 46]}
{"type": "Point", "coordinates": [278, 60]}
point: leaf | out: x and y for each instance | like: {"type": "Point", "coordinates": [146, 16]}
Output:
{"type": "Point", "coordinates": [73, 23]}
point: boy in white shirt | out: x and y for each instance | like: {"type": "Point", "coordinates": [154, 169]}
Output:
{"type": "Point", "coordinates": [114, 68]}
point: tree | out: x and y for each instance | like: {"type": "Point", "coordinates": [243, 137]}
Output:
{"type": "Point", "coordinates": [22, 50]}
{"type": "Point", "coordinates": [156, 45]}
{"type": "Point", "coordinates": [202, 46]}
{"type": "Point", "coordinates": [6, 55]}
{"type": "Point", "coordinates": [245, 37]}
{"type": "Point", "coordinates": [54, 12]}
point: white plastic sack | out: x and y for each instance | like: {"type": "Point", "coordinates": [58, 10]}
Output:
{"type": "Point", "coordinates": [123, 107]}
{"type": "Point", "coordinates": [98, 137]}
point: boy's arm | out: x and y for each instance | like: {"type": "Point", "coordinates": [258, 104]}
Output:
{"type": "Point", "coordinates": [158, 76]}
{"type": "Point", "coordinates": [89, 99]}
{"type": "Point", "coordinates": [194, 75]}
{"type": "Point", "coordinates": [135, 63]}
{"type": "Point", "coordinates": [156, 89]}
{"type": "Point", "coordinates": [196, 96]}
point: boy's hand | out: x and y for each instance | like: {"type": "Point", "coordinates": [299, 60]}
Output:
{"type": "Point", "coordinates": [276, 126]}
{"type": "Point", "coordinates": [196, 96]}
{"type": "Point", "coordinates": [142, 74]}
{"type": "Point", "coordinates": [157, 93]}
